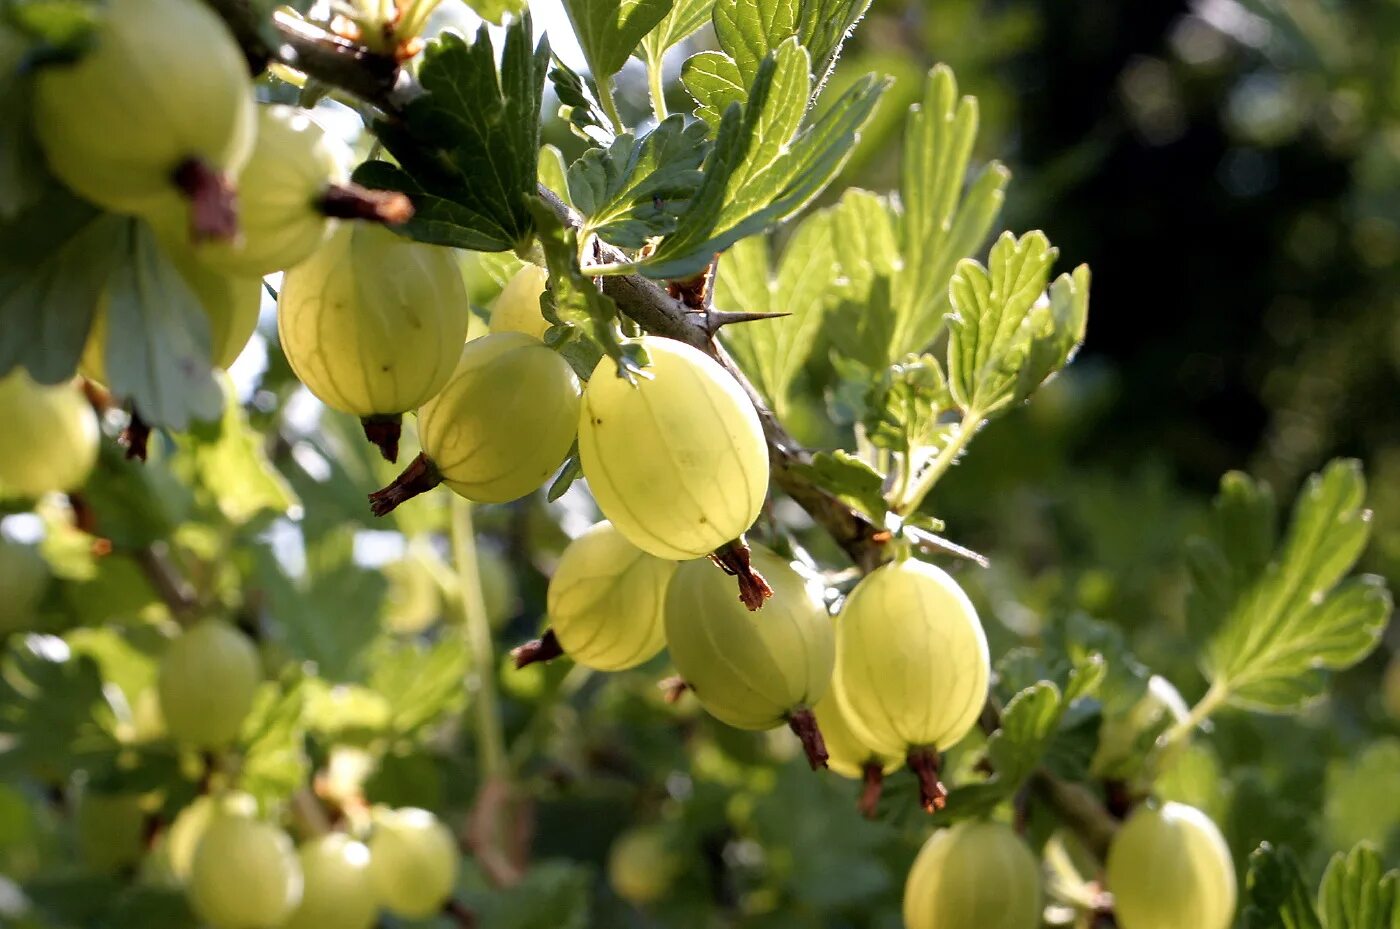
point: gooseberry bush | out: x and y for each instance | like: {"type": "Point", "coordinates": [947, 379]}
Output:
{"type": "Point", "coordinates": [681, 640]}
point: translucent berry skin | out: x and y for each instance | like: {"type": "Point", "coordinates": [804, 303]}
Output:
{"type": "Point", "coordinates": [183, 837]}
{"type": "Point", "coordinates": [49, 440]}
{"type": "Point", "coordinates": [162, 83]}
{"type": "Point", "coordinates": [976, 873]}
{"type": "Point", "coordinates": [230, 302]}
{"type": "Point", "coordinates": [24, 576]}
{"type": "Point", "coordinates": [911, 659]}
{"type": "Point", "coordinates": [607, 600]}
{"type": "Point", "coordinates": [517, 309]}
{"type": "Point", "coordinates": [371, 323]}
{"type": "Point", "coordinates": [245, 873]}
{"type": "Point", "coordinates": [1169, 867]}
{"type": "Point", "coordinates": [847, 755]}
{"type": "Point", "coordinates": [207, 681]}
{"type": "Point", "coordinates": [677, 462]}
{"type": "Point", "coordinates": [337, 890]}
{"type": "Point", "coordinates": [642, 865]}
{"type": "Point", "coordinates": [280, 224]}
{"type": "Point", "coordinates": [751, 670]}
{"type": "Point", "coordinates": [505, 420]}
{"type": "Point", "coordinates": [413, 862]}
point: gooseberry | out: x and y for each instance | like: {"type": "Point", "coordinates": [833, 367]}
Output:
{"type": "Point", "coordinates": [49, 442]}
{"type": "Point", "coordinates": [976, 873]}
{"type": "Point", "coordinates": [1169, 867]}
{"type": "Point", "coordinates": [245, 873]}
{"type": "Point", "coordinates": [517, 309]}
{"type": "Point", "coordinates": [413, 862]}
{"type": "Point", "coordinates": [337, 892]}
{"type": "Point", "coordinates": [208, 678]}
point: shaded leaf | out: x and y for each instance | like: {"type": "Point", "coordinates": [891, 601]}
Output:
{"type": "Point", "coordinates": [1276, 895]}
{"type": "Point", "coordinates": [852, 480]}
{"type": "Point", "coordinates": [421, 683]}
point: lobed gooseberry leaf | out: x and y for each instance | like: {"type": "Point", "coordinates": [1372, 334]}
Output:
{"type": "Point", "coordinates": [468, 147]}
{"type": "Point", "coordinates": [578, 105]}
{"type": "Point", "coordinates": [854, 481]}
{"type": "Point", "coordinates": [904, 410]}
{"type": "Point", "coordinates": [420, 683]}
{"type": "Point", "coordinates": [609, 30]}
{"type": "Point", "coordinates": [684, 18]}
{"type": "Point", "coordinates": [1280, 626]}
{"type": "Point", "coordinates": [55, 259]}
{"type": "Point", "coordinates": [1357, 891]}
{"type": "Point", "coordinates": [50, 703]}
{"type": "Point", "coordinates": [766, 165]}
{"type": "Point", "coordinates": [773, 351]}
{"type": "Point", "coordinates": [274, 757]}
{"type": "Point", "coordinates": [496, 11]}
{"type": "Point", "coordinates": [578, 304]}
{"type": "Point", "coordinates": [635, 188]}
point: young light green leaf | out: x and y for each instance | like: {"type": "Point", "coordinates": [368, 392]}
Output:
{"type": "Point", "coordinates": [1055, 329]}
{"type": "Point", "coordinates": [685, 17]}
{"type": "Point", "coordinates": [609, 30]}
{"type": "Point", "coordinates": [496, 11]}
{"type": "Point", "coordinates": [1296, 618]}
{"type": "Point", "coordinates": [468, 148]}
{"type": "Point", "coordinates": [859, 325]}
{"type": "Point", "coordinates": [939, 226]}
{"type": "Point", "coordinates": [1358, 893]}
{"type": "Point", "coordinates": [579, 307]}
{"type": "Point", "coordinates": [849, 478]}
{"type": "Point", "coordinates": [274, 761]}
{"type": "Point", "coordinates": [421, 683]}
{"type": "Point", "coordinates": [158, 337]}
{"type": "Point", "coordinates": [991, 331]}
{"type": "Point", "coordinates": [578, 106]}
{"type": "Point", "coordinates": [55, 259]}
{"type": "Point", "coordinates": [228, 461]}
{"type": "Point", "coordinates": [554, 173]}
{"type": "Point", "coordinates": [773, 351]}
{"type": "Point", "coordinates": [763, 169]}
{"type": "Point", "coordinates": [634, 190]}
{"type": "Point", "coordinates": [1277, 897]}
{"type": "Point", "coordinates": [714, 80]}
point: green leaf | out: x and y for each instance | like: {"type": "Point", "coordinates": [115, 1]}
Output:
{"type": "Point", "coordinates": [23, 176]}
{"type": "Point", "coordinates": [990, 333]}
{"type": "Point", "coordinates": [1296, 618]}
{"type": "Point", "coordinates": [685, 17]}
{"type": "Point", "coordinates": [1055, 330]}
{"type": "Point", "coordinates": [1363, 795]}
{"type": "Point", "coordinates": [609, 30]}
{"type": "Point", "coordinates": [904, 411]}
{"type": "Point", "coordinates": [496, 11]}
{"type": "Point", "coordinates": [274, 759]}
{"type": "Point", "coordinates": [860, 324]}
{"type": "Point", "coordinates": [578, 106]}
{"type": "Point", "coordinates": [773, 351]}
{"type": "Point", "coordinates": [750, 30]}
{"type": "Point", "coordinates": [421, 683]}
{"type": "Point", "coordinates": [55, 259]}
{"type": "Point", "coordinates": [634, 190]}
{"type": "Point", "coordinates": [1358, 893]}
{"type": "Point", "coordinates": [854, 481]}
{"type": "Point", "coordinates": [554, 173]}
{"type": "Point", "coordinates": [50, 701]}
{"type": "Point", "coordinates": [552, 895]}
{"type": "Point", "coordinates": [158, 337]}
{"type": "Point", "coordinates": [468, 147]}
{"type": "Point", "coordinates": [579, 307]}
{"type": "Point", "coordinates": [939, 226]}
{"type": "Point", "coordinates": [1276, 895]}
{"type": "Point", "coordinates": [229, 462]}
{"type": "Point", "coordinates": [763, 169]}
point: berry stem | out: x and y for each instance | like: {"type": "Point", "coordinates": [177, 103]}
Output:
{"type": "Point", "coordinates": [733, 557]}
{"type": "Point", "coordinates": [925, 764]}
{"type": "Point", "coordinates": [136, 437]}
{"type": "Point", "coordinates": [545, 648]}
{"type": "Point", "coordinates": [351, 201]}
{"type": "Point", "coordinates": [873, 779]}
{"type": "Point", "coordinates": [383, 433]}
{"type": "Point", "coordinates": [804, 724]}
{"type": "Point", "coordinates": [419, 477]}
{"type": "Point", "coordinates": [213, 202]}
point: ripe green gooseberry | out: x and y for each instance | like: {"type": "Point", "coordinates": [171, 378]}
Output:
{"type": "Point", "coordinates": [752, 670]}
{"type": "Point", "coordinates": [1169, 867]}
{"type": "Point", "coordinates": [643, 865]}
{"type": "Point", "coordinates": [49, 443]}
{"type": "Point", "coordinates": [977, 873]}
{"type": "Point", "coordinates": [110, 830]}
{"type": "Point", "coordinates": [281, 219]}
{"type": "Point", "coordinates": [182, 839]}
{"type": "Point", "coordinates": [912, 665]}
{"type": "Point", "coordinates": [677, 462]}
{"type": "Point", "coordinates": [207, 680]}
{"type": "Point", "coordinates": [158, 111]}
{"type": "Point", "coordinates": [230, 302]}
{"type": "Point", "coordinates": [24, 577]}
{"type": "Point", "coordinates": [245, 873]}
{"type": "Point", "coordinates": [337, 892]}
{"type": "Point", "coordinates": [606, 601]}
{"type": "Point", "coordinates": [517, 309]}
{"type": "Point", "coordinates": [502, 425]}
{"type": "Point", "coordinates": [413, 862]}
{"type": "Point", "coordinates": [373, 325]}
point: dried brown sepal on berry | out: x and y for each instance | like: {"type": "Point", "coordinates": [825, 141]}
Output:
{"type": "Point", "coordinates": [734, 558]}
{"type": "Point", "coordinates": [927, 767]}
{"type": "Point", "coordinates": [545, 648]}
{"type": "Point", "coordinates": [419, 477]}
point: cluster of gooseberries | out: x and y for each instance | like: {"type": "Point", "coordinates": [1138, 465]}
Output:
{"type": "Point", "coordinates": [376, 326]}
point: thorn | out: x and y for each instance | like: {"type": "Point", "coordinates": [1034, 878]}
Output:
{"type": "Point", "coordinates": [715, 319]}
{"type": "Point", "coordinates": [927, 541]}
